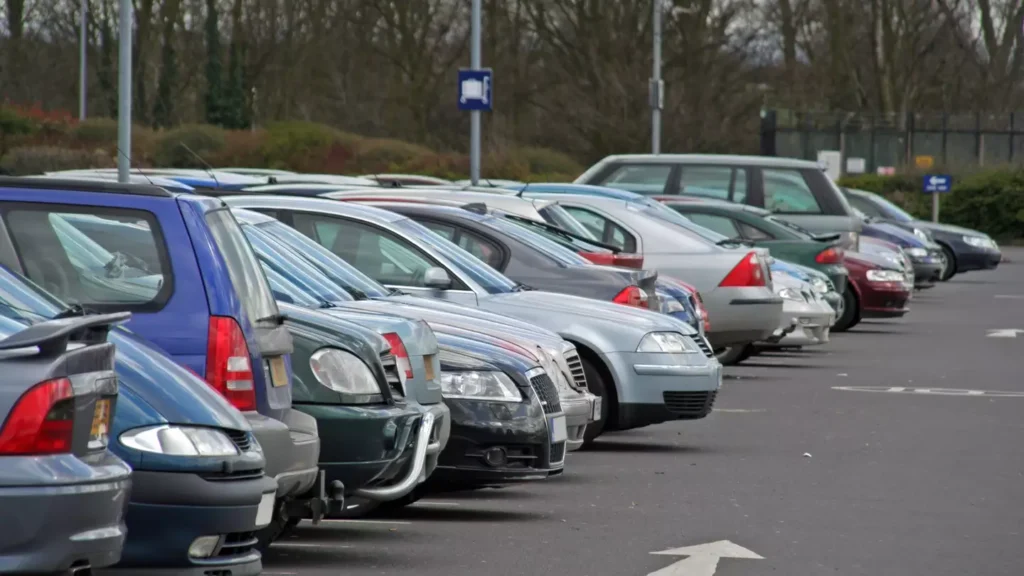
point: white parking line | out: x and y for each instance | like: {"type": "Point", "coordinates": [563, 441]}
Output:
{"type": "Point", "coordinates": [355, 521]}
{"type": "Point", "coordinates": [437, 503]}
{"type": "Point", "coordinates": [307, 545]}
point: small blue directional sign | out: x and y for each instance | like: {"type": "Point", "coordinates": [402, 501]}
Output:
{"type": "Point", "coordinates": [475, 89]}
{"type": "Point", "coordinates": [937, 183]}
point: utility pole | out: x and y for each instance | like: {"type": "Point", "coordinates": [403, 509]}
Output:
{"type": "Point", "coordinates": [657, 87]}
{"type": "Point", "coordinates": [124, 92]}
{"type": "Point", "coordinates": [83, 78]}
{"type": "Point", "coordinates": [474, 116]}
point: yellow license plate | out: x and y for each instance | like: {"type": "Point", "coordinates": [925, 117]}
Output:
{"type": "Point", "coordinates": [278, 373]}
{"type": "Point", "coordinates": [100, 430]}
{"type": "Point", "coordinates": [428, 362]}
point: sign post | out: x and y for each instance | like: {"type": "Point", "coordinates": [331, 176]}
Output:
{"type": "Point", "coordinates": [936, 184]}
{"type": "Point", "coordinates": [124, 91]}
{"type": "Point", "coordinates": [474, 93]}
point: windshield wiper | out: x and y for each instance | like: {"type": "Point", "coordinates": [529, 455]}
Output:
{"type": "Point", "coordinates": [356, 293]}
{"type": "Point", "coordinates": [728, 241]}
{"type": "Point", "coordinates": [327, 304]}
{"type": "Point", "coordinates": [72, 311]}
{"type": "Point", "coordinates": [396, 292]}
{"type": "Point", "coordinates": [275, 319]}
{"type": "Point", "coordinates": [520, 287]}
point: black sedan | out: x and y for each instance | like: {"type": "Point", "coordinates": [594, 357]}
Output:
{"type": "Point", "coordinates": [965, 249]}
{"type": "Point", "coordinates": [528, 257]}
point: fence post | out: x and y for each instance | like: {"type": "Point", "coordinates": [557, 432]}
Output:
{"type": "Point", "coordinates": [908, 135]}
{"type": "Point", "coordinates": [769, 130]}
{"type": "Point", "coordinates": [945, 134]}
{"type": "Point", "coordinates": [1013, 134]}
{"type": "Point", "coordinates": [979, 145]}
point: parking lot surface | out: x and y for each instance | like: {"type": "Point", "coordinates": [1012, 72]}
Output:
{"type": "Point", "coordinates": [881, 453]}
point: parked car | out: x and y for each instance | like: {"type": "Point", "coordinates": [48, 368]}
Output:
{"type": "Point", "coordinates": [257, 172]}
{"type": "Point", "coordinates": [407, 180]}
{"type": "Point", "coordinates": [760, 227]}
{"type": "Point", "coordinates": [647, 367]}
{"type": "Point", "coordinates": [806, 318]}
{"type": "Point", "coordinates": [183, 268]}
{"type": "Point", "coordinates": [965, 249]}
{"type": "Point", "coordinates": [190, 177]}
{"type": "Point", "coordinates": [820, 283]}
{"type": "Point", "coordinates": [926, 258]}
{"type": "Point", "coordinates": [63, 493]}
{"type": "Point", "coordinates": [797, 190]}
{"type": "Point", "coordinates": [198, 490]}
{"type": "Point", "coordinates": [879, 290]}
{"type": "Point", "coordinates": [893, 254]}
{"type": "Point", "coordinates": [734, 282]}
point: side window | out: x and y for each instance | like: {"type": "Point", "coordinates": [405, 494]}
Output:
{"type": "Point", "coordinates": [481, 248]}
{"type": "Point", "coordinates": [443, 230]}
{"type": "Point", "coordinates": [752, 233]}
{"type": "Point", "coordinates": [106, 259]}
{"type": "Point", "coordinates": [592, 222]}
{"type": "Point", "coordinates": [786, 192]}
{"type": "Point", "coordinates": [639, 178]}
{"type": "Point", "coordinates": [706, 181]}
{"type": "Point", "coordinates": [720, 224]}
{"type": "Point", "coordinates": [373, 251]}
{"type": "Point", "coordinates": [864, 206]}
{"type": "Point", "coordinates": [604, 229]}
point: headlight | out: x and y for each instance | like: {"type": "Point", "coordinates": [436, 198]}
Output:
{"type": "Point", "coordinates": [790, 294]}
{"type": "Point", "coordinates": [667, 343]}
{"type": "Point", "coordinates": [819, 285]}
{"type": "Point", "coordinates": [922, 235]}
{"type": "Point", "coordinates": [885, 276]}
{"type": "Point", "coordinates": [343, 372]}
{"type": "Point", "coordinates": [494, 386]}
{"type": "Point", "coordinates": [669, 305]}
{"type": "Point", "coordinates": [980, 242]}
{"type": "Point", "coordinates": [179, 441]}
{"type": "Point", "coordinates": [917, 252]}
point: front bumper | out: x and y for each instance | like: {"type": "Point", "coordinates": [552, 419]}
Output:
{"type": "Point", "coordinates": [520, 430]}
{"type": "Point", "coordinates": [654, 388]}
{"type": "Point", "coordinates": [884, 299]}
{"type": "Point", "coordinates": [168, 511]}
{"type": "Point", "coordinates": [291, 448]}
{"type": "Point", "coordinates": [969, 258]}
{"type": "Point", "coordinates": [579, 411]}
{"type": "Point", "coordinates": [810, 323]}
{"type": "Point", "coordinates": [49, 528]}
{"type": "Point", "coordinates": [926, 270]}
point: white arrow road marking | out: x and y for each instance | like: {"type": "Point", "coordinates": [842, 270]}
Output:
{"type": "Point", "coordinates": [1005, 333]}
{"type": "Point", "coordinates": [932, 391]}
{"type": "Point", "coordinates": [1010, 296]}
{"type": "Point", "coordinates": [703, 558]}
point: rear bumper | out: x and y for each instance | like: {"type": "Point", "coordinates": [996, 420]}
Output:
{"type": "Point", "coordinates": [49, 528]}
{"type": "Point", "coordinates": [741, 315]}
{"type": "Point", "coordinates": [291, 448]}
{"type": "Point", "coordinates": [168, 511]}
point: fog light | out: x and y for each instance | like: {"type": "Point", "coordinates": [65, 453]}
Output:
{"type": "Point", "coordinates": [203, 547]}
{"type": "Point", "coordinates": [495, 457]}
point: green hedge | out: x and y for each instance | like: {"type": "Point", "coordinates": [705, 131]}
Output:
{"type": "Point", "coordinates": [991, 201]}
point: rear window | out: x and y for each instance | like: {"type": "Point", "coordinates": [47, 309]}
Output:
{"type": "Point", "coordinates": [247, 277]}
{"type": "Point", "coordinates": [553, 250]}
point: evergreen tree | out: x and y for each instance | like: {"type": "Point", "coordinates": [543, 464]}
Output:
{"type": "Point", "coordinates": [214, 85]}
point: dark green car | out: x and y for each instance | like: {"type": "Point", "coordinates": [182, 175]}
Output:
{"type": "Point", "coordinates": [759, 227]}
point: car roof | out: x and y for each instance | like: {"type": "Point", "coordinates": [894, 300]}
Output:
{"type": "Point", "coordinates": [317, 204]}
{"type": "Point", "coordinates": [713, 159]}
{"type": "Point", "coordinates": [425, 208]}
{"type": "Point", "coordinates": [85, 185]}
{"type": "Point", "coordinates": [312, 186]}
{"type": "Point", "coordinates": [716, 202]}
{"type": "Point", "coordinates": [246, 216]}
{"type": "Point", "coordinates": [583, 189]}
{"type": "Point", "coordinates": [154, 180]}
{"type": "Point", "coordinates": [323, 179]}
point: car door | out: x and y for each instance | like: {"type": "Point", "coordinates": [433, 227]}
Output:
{"type": "Point", "coordinates": [378, 253]}
{"type": "Point", "coordinates": [489, 252]}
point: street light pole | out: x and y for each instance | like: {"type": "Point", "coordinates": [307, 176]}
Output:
{"type": "Point", "coordinates": [657, 88]}
{"type": "Point", "coordinates": [474, 115]}
{"type": "Point", "coordinates": [124, 92]}
{"type": "Point", "coordinates": [83, 79]}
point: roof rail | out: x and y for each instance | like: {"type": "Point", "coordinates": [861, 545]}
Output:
{"type": "Point", "coordinates": [84, 185]}
{"type": "Point", "coordinates": [475, 207]}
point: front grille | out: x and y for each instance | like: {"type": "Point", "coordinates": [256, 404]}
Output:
{"type": "Point", "coordinates": [391, 373]}
{"type": "Point", "coordinates": [237, 544]}
{"type": "Point", "coordinates": [690, 404]}
{"type": "Point", "coordinates": [233, 476]}
{"type": "Point", "coordinates": [547, 393]}
{"type": "Point", "coordinates": [579, 377]}
{"type": "Point", "coordinates": [702, 343]}
{"type": "Point", "coordinates": [241, 439]}
{"type": "Point", "coordinates": [557, 453]}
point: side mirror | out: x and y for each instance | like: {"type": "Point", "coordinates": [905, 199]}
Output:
{"type": "Point", "coordinates": [437, 278]}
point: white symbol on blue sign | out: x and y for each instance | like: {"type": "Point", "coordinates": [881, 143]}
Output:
{"type": "Point", "coordinates": [938, 183]}
{"type": "Point", "coordinates": [475, 89]}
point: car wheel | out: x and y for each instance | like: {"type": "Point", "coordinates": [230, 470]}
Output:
{"type": "Point", "coordinates": [949, 264]}
{"type": "Point", "coordinates": [597, 387]}
{"type": "Point", "coordinates": [851, 312]}
{"type": "Point", "coordinates": [733, 355]}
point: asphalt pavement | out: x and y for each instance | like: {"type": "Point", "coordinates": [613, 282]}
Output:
{"type": "Point", "coordinates": [883, 453]}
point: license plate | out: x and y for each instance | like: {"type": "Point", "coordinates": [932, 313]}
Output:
{"type": "Point", "coordinates": [99, 433]}
{"type": "Point", "coordinates": [557, 427]}
{"type": "Point", "coordinates": [278, 373]}
{"type": "Point", "coordinates": [428, 362]}
{"type": "Point", "coordinates": [265, 513]}
{"type": "Point", "coordinates": [597, 409]}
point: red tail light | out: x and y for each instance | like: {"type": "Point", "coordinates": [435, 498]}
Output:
{"type": "Point", "coordinates": [401, 356]}
{"type": "Point", "coordinates": [42, 421]}
{"type": "Point", "coordinates": [829, 256]}
{"type": "Point", "coordinates": [632, 296]}
{"type": "Point", "coordinates": [629, 260]}
{"type": "Point", "coordinates": [228, 368]}
{"type": "Point", "coordinates": [747, 273]}
{"type": "Point", "coordinates": [600, 258]}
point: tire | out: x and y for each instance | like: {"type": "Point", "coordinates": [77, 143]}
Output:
{"type": "Point", "coordinates": [851, 312]}
{"type": "Point", "coordinates": [733, 355]}
{"type": "Point", "coordinates": [597, 387]}
{"type": "Point", "coordinates": [410, 498]}
{"type": "Point", "coordinates": [950, 270]}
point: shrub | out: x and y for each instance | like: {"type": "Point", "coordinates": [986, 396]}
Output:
{"type": "Point", "coordinates": [387, 155]}
{"type": "Point", "coordinates": [306, 146]}
{"type": "Point", "coordinates": [95, 132]}
{"type": "Point", "coordinates": [242, 148]}
{"type": "Point", "coordinates": [38, 159]}
{"type": "Point", "coordinates": [206, 141]}
{"type": "Point", "coordinates": [547, 161]}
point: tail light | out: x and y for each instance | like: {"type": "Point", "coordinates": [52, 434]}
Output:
{"type": "Point", "coordinates": [629, 260]}
{"type": "Point", "coordinates": [829, 256]}
{"type": "Point", "coordinates": [600, 258]}
{"type": "Point", "coordinates": [401, 356]}
{"type": "Point", "coordinates": [228, 368]}
{"type": "Point", "coordinates": [747, 273]}
{"type": "Point", "coordinates": [42, 421]}
{"type": "Point", "coordinates": [632, 296]}
{"type": "Point", "coordinates": [700, 303]}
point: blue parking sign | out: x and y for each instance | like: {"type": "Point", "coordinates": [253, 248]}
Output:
{"type": "Point", "coordinates": [475, 89]}
{"type": "Point", "coordinates": [937, 183]}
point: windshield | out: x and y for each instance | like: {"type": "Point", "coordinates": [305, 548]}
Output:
{"type": "Point", "coordinates": [246, 275]}
{"type": "Point", "coordinates": [328, 263]}
{"type": "Point", "coordinates": [891, 210]}
{"type": "Point", "coordinates": [287, 291]}
{"type": "Point", "coordinates": [488, 278]}
{"type": "Point", "coordinates": [576, 245]}
{"type": "Point", "coordinates": [23, 300]}
{"type": "Point", "coordinates": [553, 250]}
{"type": "Point", "coordinates": [666, 214]}
{"type": "Point", "coordinates": [286, 262]}
{"type": "Point", "coordinates": [555, 214]}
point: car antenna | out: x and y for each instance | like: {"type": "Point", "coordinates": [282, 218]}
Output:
{"type": "Point", "coordinates": [135, 166]}
{"type": "Point", "coordinates": [206, 165]}
{"type": "Point", "coordinates": [519, 194]}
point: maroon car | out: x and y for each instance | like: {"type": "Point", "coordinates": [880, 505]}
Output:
{"type": "Point", "coordinates": [876, 290]}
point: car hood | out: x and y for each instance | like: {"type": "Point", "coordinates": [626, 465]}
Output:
{"type": "Point", "coordinates": [893, 233]}
{"type": "Point", "coordinates": [947, 228]}
{"type": "Point", "coordinates": [872, 261]}
{"type": "Point", "coordinates": [416, 335]}
{"type": "Point", "coordinates": [608, 315]}
{"type": "Point", "coordinates": [459, 354]}
{"type": "Point", "coordinates": [353, 333]}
